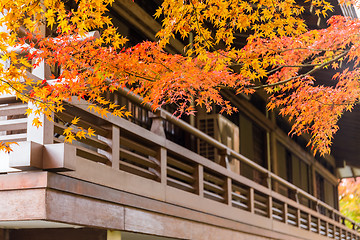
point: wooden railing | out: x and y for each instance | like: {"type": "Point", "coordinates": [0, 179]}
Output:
{"type": "Point", "coordinates": [13, 121]}
{"type": "Point", "coordinates": [124, 146]}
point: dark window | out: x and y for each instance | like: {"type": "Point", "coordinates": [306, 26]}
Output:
{"type": "Point", "coordinates": [253, 146]}
{"type": "Point", "coordinates": [293, 169]}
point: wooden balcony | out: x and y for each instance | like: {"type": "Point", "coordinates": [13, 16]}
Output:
{"type": "Point", "coordinates": [127, 173]}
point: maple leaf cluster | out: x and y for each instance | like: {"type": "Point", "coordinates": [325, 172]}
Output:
{"type": "Point", "coordinates": [278, 47]}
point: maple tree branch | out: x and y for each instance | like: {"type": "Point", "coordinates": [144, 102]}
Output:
{"type": "Point", "coordinates": [303, 48]}
{"type": "Point", "coordinates": [27, 96]}
{"type": "Point", "coordinates": [338, 104]}
{"type": "Point", "coordinates": [302, 75]}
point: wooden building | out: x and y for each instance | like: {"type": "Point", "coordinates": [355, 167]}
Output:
{"type": "Point", "coordinates": [153, 176]}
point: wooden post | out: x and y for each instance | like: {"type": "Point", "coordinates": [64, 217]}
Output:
{"type": "Point", "coordinates": [340, 233]}
{"type": "Point", "coordinates": [326, 229]}
{"type": "Point", "coordinates": [309, 222]}
{"type": "Point", "coordinates": [251, 202]}
{"type": "Point", "coordinates": [157, 125]}
{"type": "Point", "coordinates": [162, 158]}
{"type": "Point", "coordinates": [269, 207]}
{"type": "Point", "coordinates": [113, 235]}
{"type": "Point", "coordinates": [113, 141]}
{"type": "Point", "coordinates": [285, 213]}
{"type": "Point", "coordinates": [199, 180]}
{"type": "Point", "coordinates": [297, 196]}
{"type": "Point", "coordinates": [42, 71]}
{"type": "Point", "coordinates": [115, 148]}
{"type": "Point", "coordinates": [298, 218]}
{"type": "Point", "coordinates": [269, 182]}
{"type": "Point", "coordinates": [332, 215]}
{"type": "Point", "coordinates": [43, 134]}
{"type": "Point", "coordinates": [345, 234]}
{"type": "Point", "coordinates": [224, 158]}
{"type": "Point", "coordinates": [228, 191]}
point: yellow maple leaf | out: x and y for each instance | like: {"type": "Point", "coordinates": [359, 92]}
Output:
{"type": "Point", "coordinates": [90, 132]}
{"type": "Point", "coordinates": [75, 120]}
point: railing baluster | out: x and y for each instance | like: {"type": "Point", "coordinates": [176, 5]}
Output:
{"type": "Point", "coordinates": [269, 207]}
{"type": "Point", "coordinates": [298, 218]}
{"type": "Point", "coordinates": [199, 180]}
{"type": "Point", "coordinates": [228, 191]}
{"type": "Point", "coordinates": [115, 147]}
{"type": "Point", "coordinates": [285, 213]}
{"type": "Point", "coordinates": [251, 200]}
{"type": "Point", "coordinates": [326, 228]}
{"type": "Point", "coordinates": [162, 158]}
